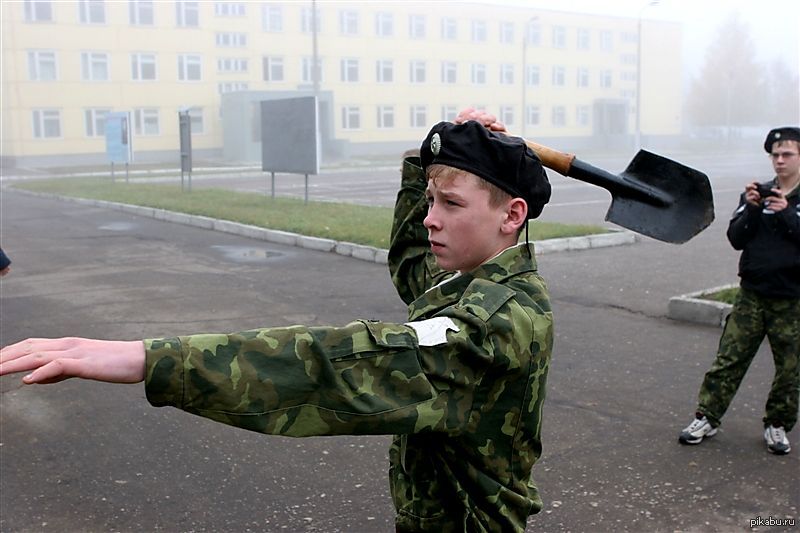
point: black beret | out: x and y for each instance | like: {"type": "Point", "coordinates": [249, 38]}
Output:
{"type": "Point", "coordinates": [786, 133]}
{"type": "Point", "coordinates": [502, 160]}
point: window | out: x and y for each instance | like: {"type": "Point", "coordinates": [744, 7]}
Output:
{"type": "Point", "coordinates": [271, 18]}
{"type": "Point", "coordinates": [583, 39]}
{"type": "Point", "coordinates": [605, 79]}
{"type": "Point", "coordinates": [628, 59]}
{"type": "Point", "coordinates": [349, 70]}
{"type": "Point", "coordinates": [532, 115]}
{"type": "Point", "coordinates": [231, 86]}
{"type": "Point", "coordinates": [348, 22]}
{"type": "Point", "coordinates": [417, 72]}
{"type": "Point", "coordinates": [229, 9]}
{"type": "Point", "coordinates": [627, 75]}
{"type": "Point", "coordinates": [449, 32]}
{"type": "Point", "coordinates": [532, 77]}
{"type": "Point", "coordinates": [559, 37]}
{"type": "Point", "coordinates": [507, 115]}
{"type": "Point", "coordinates": [419, 116]}
{"type": "Point", "coordinates": [140, 12]}
{"type": "Point", "coordinates": [351, 117]}
{"type": "Point", "coordinates": [306, 68]}
{"type": "Point", "coordinates": [308, 19]}
{"type": "Point", "coordinates": [559, 76]}
{"type": "Point", "coordinates": [231, 64]}
{"type": "Point", "coordinates": [506, 74]}
{"type": "Point", "coordinates": [38, 11]}
{"type": "Point", "coordinates": [384, 69]}
{"type": "Point", "coordinates": [478, 73]}
{"type": "Point", "coordinates": [94, 66]}
{"type": "Point", "coordinates": [416, 26]}
{"type": "Point", "coordinates": [231, 40]}
{"type": "Point", "coordinates": [42, 65]}
{"type": "Point", "coordinates": [507, 32]}
{"type": "Point", "coordinates": [449, 113]}
{"type": "Point", "coordinates": [385, 116]}
{"type": "Point", "coordinates": [92, 11]}
{"type": "Point", "coordinates": [189, 67]}
{"type": "Point", "coordinates": [197, 122]}
{"type": "Point", "coordinates": [95, 122]}
{"type": "Point", "coordinates": [478, 31]}
{"type": "Point", "coordinates": [606, 41]}
{"type": "Point", "coordinates": [145, 121]}
{"type": "Point", "coordinates": [559, 116]}
{"type": "Point", "coordinates": [629, 37]}
{"type": "Point", "coordinates": [582, 115]}
{"type": "Point", "coordinates": [583, 77]}
{"type": "Point", "coordinates": [448, 72]}
{"type": "Point", "coordinates": [384, 25]}
{"type": "Point", "coordinates": [273, 69]}
{"type": "Point", "coordinates": [187, 14]}
{"type": "Point", "coordinates": [533, 33]}
{"type": "Point", "coordinates": [143, 67]}
{"type": "Point", "coordinates": [46, 124]}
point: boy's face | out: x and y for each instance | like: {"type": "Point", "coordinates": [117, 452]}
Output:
{"type": "Point", "coordinates": [464, 230]}
{"type": "Point", "coordinates": [786, 159]}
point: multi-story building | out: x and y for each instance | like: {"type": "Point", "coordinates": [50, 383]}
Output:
{"type": "Point", "coordinates": [385, 72]}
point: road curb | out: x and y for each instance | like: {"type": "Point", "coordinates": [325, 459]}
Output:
{"type": "Point", "coordinates": [347, 249]}
{"type": "Point", "coordinates": [692, 307]}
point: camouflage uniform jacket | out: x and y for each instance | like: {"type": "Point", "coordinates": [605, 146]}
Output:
{"type": "Point", "coordinates": [466, 410]}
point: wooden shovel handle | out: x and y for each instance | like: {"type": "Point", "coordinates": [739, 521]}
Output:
{"type": "Point", "coordinates": [561, 162]}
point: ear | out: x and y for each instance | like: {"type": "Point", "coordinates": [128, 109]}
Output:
{"type": "Point", "coordinates": [514, 217]}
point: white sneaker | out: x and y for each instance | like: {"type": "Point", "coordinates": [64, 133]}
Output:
{"type": "Point", "coordinates": [697, 431]}
{"type": "Point", "coordinates": [776, 439]}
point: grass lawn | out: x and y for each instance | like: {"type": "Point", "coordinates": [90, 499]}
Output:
{"type": "Point", "coordinates": [725, 295]}
{"type": "Point", "coordinates": [338, 221]}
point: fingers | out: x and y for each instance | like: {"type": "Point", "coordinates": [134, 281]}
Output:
{"type": "Point", "coordinates": [31, 354]}
{"type": "Point", "coordinates": [482, 117]}
{"type": "Point", "coordinates": [53, 360]}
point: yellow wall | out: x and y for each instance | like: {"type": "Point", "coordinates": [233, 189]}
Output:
{"type": "Point", "coordinates": [68, 38]}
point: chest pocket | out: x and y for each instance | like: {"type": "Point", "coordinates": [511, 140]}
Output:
{"type": "Point", "coordinates": [483, 298]}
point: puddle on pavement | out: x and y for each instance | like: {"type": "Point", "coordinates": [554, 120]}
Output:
{"type": "Point", "coordinates": [247, 254]}
{"type": "Point", "coordinates": [118, 226]}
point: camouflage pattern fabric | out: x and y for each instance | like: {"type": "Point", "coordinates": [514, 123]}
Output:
{"type": "Point", "coordinates": [752, 318]}
{"type": "Point", "coordinates": [466, 413]}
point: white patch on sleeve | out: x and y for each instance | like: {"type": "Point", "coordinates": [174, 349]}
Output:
{"type": "Point", "coordinates": [433, 331]}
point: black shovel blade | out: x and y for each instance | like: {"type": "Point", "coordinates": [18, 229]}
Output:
{"type": "Point", "coordinates": [655, 196]}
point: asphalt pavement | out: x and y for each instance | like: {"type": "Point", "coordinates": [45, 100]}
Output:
{"type": "Point", "coordinates": [84, 456]}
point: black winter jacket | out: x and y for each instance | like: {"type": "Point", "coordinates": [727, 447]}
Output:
{"type": "Point", "coordinates": [770, 261]}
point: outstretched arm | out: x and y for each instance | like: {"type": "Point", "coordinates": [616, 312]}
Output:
{"type": "Point", "coordinates": [54, 360]}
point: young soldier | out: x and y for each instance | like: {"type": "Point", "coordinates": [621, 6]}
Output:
{"type": "Point", "coordinates": [766, 226]}
{"type": "Point", "coordinates": [461, 385]}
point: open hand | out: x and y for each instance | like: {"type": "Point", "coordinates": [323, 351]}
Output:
{"type": "Point", "coordinates": [53, 360]}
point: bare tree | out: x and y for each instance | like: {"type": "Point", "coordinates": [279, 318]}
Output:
{"type": "Point", "coordinates": [730, 91]}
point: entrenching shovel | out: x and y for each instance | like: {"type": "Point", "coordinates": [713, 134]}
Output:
{"type": "Point", "coordinates": [654, 196]}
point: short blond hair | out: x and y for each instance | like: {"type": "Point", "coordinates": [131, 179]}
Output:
{"type": "Point", "coordinates": [443, 174]}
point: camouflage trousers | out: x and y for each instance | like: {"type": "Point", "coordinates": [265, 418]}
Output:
{"type": "Point", "coordinates": [754, 317]}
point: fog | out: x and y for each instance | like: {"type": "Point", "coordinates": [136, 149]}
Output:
{"type": "Point", "coordinates": [739, 64]}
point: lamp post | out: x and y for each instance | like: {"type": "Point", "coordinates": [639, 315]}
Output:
{"type": "Point", "coordinates": [639, 74]}
{"type": "Point", "coordinates": [524, 77]}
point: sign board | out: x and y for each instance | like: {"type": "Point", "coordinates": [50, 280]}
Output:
{"type": "Point", "coordinates": [290, 135]}
{"type": "Point", "coordinates": [119, 144]}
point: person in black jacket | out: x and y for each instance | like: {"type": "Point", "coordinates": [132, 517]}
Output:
{"type": "Point", "coordinates": [766, 227]}
{"type": "Point", "coordinates": [5, 263]}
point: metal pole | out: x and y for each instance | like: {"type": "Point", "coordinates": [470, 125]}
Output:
{"type": "Point", "coordinates": [639, 75]}
{"type": "Point", "coordinates": [525, 32]}
{"type": "Point", "coordinates": [273, 185]}
{"type": "Point", "coordinates": [315, 53]}
{"type": "Point", "coordinates": [306, 198]}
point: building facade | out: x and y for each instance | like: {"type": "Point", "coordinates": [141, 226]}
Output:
{"type": "Point", "coordinates": [385, 72]}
